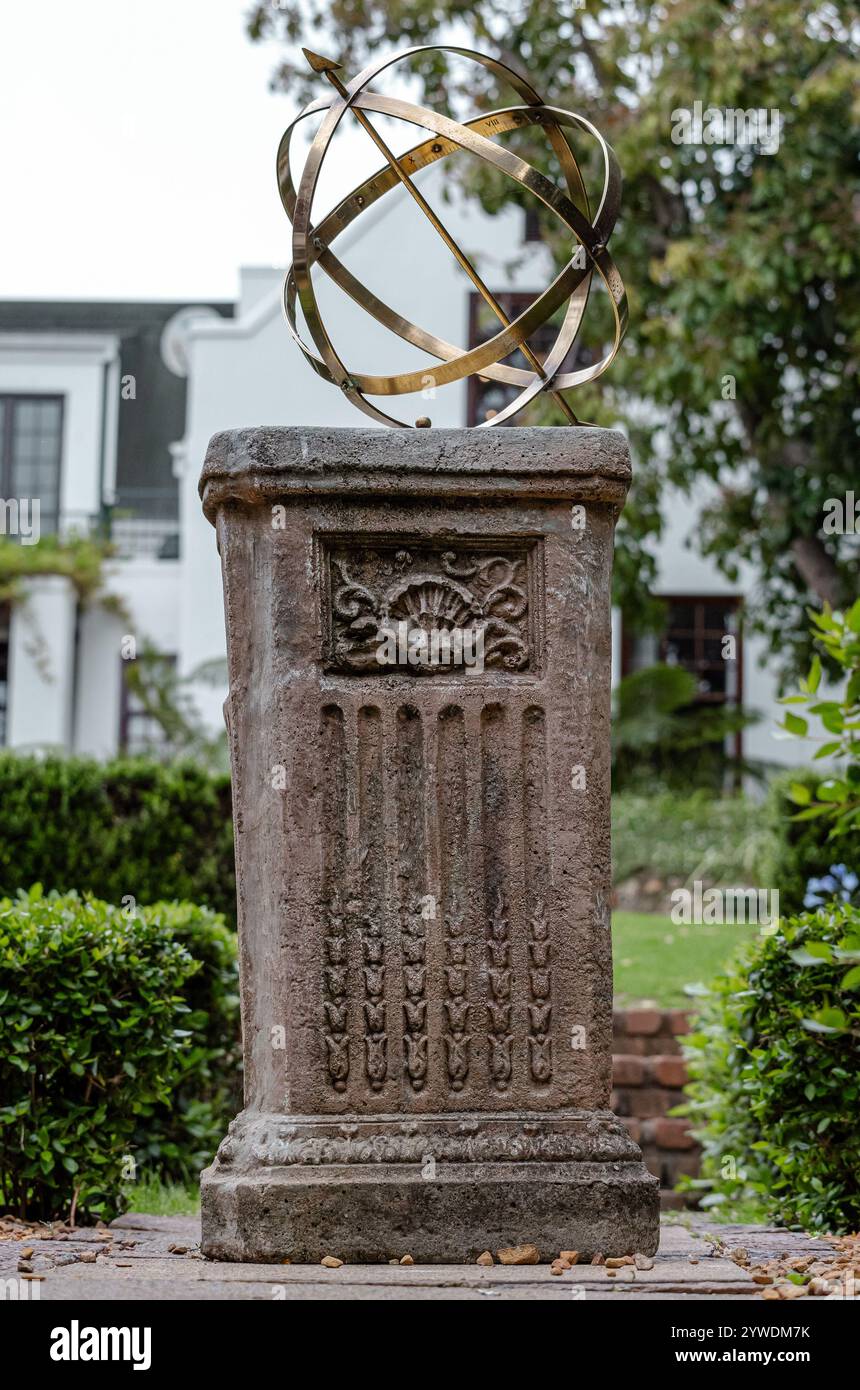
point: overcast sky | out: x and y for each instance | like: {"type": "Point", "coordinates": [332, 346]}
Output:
{"type": "Point", "coordinates": [137, 149]}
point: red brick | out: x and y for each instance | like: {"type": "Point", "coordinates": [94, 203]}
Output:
{"type": "Point", "coordinates": [627, 1070]}
{"type": "Point", "coordinates": [658, 1045]}
{"type": "Point", "coordinates": [633, 1127]}
{"type": "Point", "coordinates": [619, 1022]}
{"type": "Point", "coordinates": [679, 1020]}
{"type": "Point", "coordinates": [652, 1102]}
{"type": "Point", "coordinates": [668, 1071]}
{"type": "Point", "coordinates": [673, 1134]}
{"type": "Point", "coordinates": [645, 1021]}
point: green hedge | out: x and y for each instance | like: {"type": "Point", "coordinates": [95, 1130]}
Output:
{"type": "Point", "coordinates": [90, 1033]}
{"type": "Point", "coordinates": [775, 1067]}
{"type": "Point", "coordinates": [128, 828]}
{"type": "Point", "coordinates": [178, 1139]}
{"type": "Point", "coordinates": [119, 1048]}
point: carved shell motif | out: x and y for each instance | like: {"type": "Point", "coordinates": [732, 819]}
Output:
{"type": "Point", "coordinates": [431, 603]}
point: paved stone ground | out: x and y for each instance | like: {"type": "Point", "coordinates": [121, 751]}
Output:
{"type": "Point", "coordinates": [132, 1260]}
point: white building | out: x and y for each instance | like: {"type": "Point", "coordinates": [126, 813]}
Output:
{"type": "Point", "coordinates": [106, 410]}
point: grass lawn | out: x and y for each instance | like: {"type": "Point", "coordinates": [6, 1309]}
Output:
{"type": "Point", "coordinates": [163, 1198]}
{"type": "Point", "coordinates": [654, 959]}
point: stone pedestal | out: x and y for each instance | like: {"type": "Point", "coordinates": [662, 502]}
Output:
{"type": "Point", "coordinates": [422, 845]}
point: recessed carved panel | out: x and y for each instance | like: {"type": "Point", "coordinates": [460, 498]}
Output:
{"type": "Point", "coordinates": [425, 608]}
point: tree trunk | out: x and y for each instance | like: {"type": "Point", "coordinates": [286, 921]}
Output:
{"type": "Point", "coordinates": [817, 569]}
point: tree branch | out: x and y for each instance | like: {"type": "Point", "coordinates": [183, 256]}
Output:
{"type": "Point", "coordinates": [817, 569]}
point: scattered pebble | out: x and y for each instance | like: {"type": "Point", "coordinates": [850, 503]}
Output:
{"type": "Point", "coordinates": [331, 1262]}
{"type": "Point", "coordinates": [87, 1257]}
{"type": "Point", "coordinates": [643, 1261]}
{"type": "Point", "coordinates": [597, 1259]}
{"type": "Point", "coordinates": [395, 1261]}
{"type": "Point", "coordinates": [24, 1267]}
{"type": "Point", "coordinates": [26, 1254]}
{"type": "Point", "coordinates": [572, 1256]}
{"type": "Point", "coordinates": [485, 1259]}
{"type": "Point", "coordinates": [177, 1249]}
{"type": "Point", "coordinates": [619, 1262]}
{"type": "Point", "coordinates": [519, 1255]}
{"type": "Point", "coordinates": [789, 1276]}
{"type": "Point", "coordinates": [693, 1259]}
{"type": "Point", "coordinates": [406, 1260]}
{"type": "Point", "coordinates": [123, 1264]}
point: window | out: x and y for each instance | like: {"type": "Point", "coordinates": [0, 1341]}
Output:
{"type": "Point", "coordinates": [139, 732]}
{"type": "Point", "coordinates": [531, 229]}
{"type": "Point", "coordinates": [695, 629]}
{"type": "Point", "coordinates": [5, 615]}
{"type": "Point", "coordinates": [31, 435]}
{"type": "Point", "coordinates": [693, 638]}
{"type": "Point", "coordinates": [489, 397]}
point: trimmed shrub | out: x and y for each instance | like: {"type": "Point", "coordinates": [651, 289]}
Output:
{"type": "Point", "coordinates": [179, 1139]}
{"type": "Point", "coordinates": [775, 1067]}
{"type": "Point", "coordinates": [130, 827]}
{"type": "Point", "coordinates": [91, 1033]}
{"type": "Point", "coordinates": [119, 1048]}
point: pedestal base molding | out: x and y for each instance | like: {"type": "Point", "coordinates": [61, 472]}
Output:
{"type": "Point", "coordinates": [441, 1189]}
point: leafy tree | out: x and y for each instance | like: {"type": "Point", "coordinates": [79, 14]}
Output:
{"type": "Point", "coordinates": [659, 733]}
{"type": "Point", "coordinates": [837, 798]}
{"type": "Point", "coordinates": [741, 265]}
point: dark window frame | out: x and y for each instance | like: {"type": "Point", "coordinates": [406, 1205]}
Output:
{"type": "Point", "coordinates": [699, 632]}
{"type": "Point", "coordinates": [9, 401]}
{"type": "Point", "coordinates": [128, 716]}
{"type": "Point", "coordinates": [531, 226]}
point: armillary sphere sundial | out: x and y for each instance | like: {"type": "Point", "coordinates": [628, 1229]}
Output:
{"type": "Point", "coordinates": [312, 245]}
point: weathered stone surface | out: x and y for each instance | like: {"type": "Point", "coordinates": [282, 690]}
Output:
{"type": "Point", "coordinates": [422, 849]}
{"type": "Point", "coordinates": [149, 1273]}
